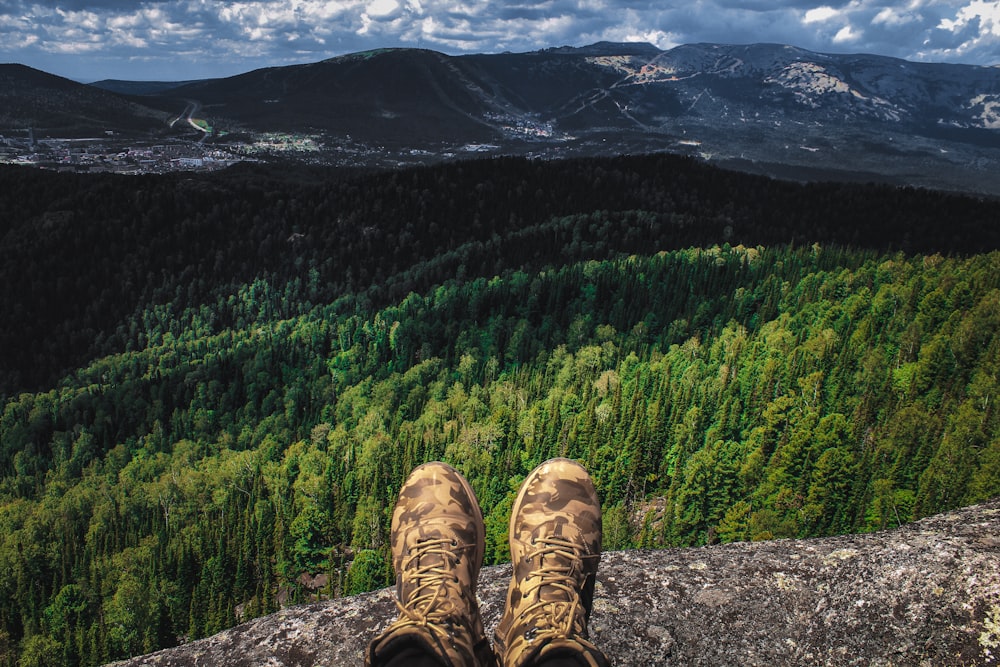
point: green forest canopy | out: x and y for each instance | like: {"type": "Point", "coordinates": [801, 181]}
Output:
{"type": "Point", "coordinates": [237, 441]}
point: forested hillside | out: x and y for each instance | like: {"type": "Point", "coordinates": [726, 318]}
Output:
{"type": "Point", "coordinates": [83, 256]}
{"type": "Point", "coordinates": [260, 362]}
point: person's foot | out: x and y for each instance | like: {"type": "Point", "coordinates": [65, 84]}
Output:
{"type": "Point", "coordinates": [437, 549]}
{"type": "Point", "coordinates": [555, 547]}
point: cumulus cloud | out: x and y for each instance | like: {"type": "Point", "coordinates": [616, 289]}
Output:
{"type": "Point", "coordinates": [820, 14]}
{"type": "Point", "coordinates": [658, 38]}
{"type": "Point", "coordinates": [191, 38]}
{"type": "Point", "coordinates": [846, 34]}
{"type": "Point", "coordinates": [895, 16]}
{"type": "Point", "coordinates": [970, 33]}
{"type": "Point", "coordinates": [985, 14]}
{"type": "Point", "coordinates": [382, 7]}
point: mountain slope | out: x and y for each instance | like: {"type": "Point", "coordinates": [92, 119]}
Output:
{"type": "Point", "coordinates": [619, 84]}
{"type": "Point", "coordinates": [146, 236]}
{"type": "Point", "coordinates": [924, 124]}
{"type": "Point", "coordinates": [404, 96]}
{"type": "Point", "coordinates": [138, 87]}
{"type": "Point", "coordinates": [238, 449]}
{"type": "Point", "coordinates": [53, 105]}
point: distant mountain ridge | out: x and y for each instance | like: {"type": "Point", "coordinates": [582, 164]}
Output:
{"type": "Point", "coordinates": [138, 87]}
{"type": "Point", "coordinates": [755, 106]}
{"type": "Point", "coordinates": [65, 108]}
{"type": "Point", "coordinates": [638, 86]}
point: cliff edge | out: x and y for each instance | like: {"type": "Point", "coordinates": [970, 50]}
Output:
{"type": "Point", "coordinates": [927, 593]}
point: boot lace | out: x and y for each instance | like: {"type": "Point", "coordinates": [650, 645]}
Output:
{"type": "Point", "coordinates": [556, 582]}
{"type": "Point", "coordinates": [431, 602]}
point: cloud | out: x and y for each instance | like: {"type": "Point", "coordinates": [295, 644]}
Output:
{"type": "Point", "coordinates": [984, 14]}
{"type": "Point", "coordinates": [820, 14]}
{"type": "Point", "coordinates": [894, 16]}
{"type": "Point", "coordinates": [846, 34]}
{"type": "Point", "coordinates": [658, 38]}
{"type": "Point", "coordinates": [969, 34]}
{"type": "Point", "coordinates": [382, 7]}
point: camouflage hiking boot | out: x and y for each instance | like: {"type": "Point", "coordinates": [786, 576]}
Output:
{"type": "Point", "coordinates": [555, 546]}
{"type": "Point", "coordinates": [437, 550]}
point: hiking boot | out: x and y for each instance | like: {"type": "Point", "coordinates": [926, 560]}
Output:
{"type": "Point", "coordinates": [437, 549]}
{"type": "Point", "coordinates": [555, 547]}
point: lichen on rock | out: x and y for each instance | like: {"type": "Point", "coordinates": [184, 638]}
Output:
{"type": "Point", "coordinates": [927, 593]}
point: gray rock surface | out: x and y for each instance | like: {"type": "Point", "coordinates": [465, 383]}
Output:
{"type": "Point", "coordinates": [925, 594]}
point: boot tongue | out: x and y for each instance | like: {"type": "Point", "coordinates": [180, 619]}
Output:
{"type": "Point", "coordinates": [427, 540]}
{"type": "Point", "coordinates": [557, 532]}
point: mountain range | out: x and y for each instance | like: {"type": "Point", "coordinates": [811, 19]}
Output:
{"type": "Point", "coordinates": [762, 107]}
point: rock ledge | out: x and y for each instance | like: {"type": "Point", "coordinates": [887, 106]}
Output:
{"type": "Point", "coordinates": [927, 593]}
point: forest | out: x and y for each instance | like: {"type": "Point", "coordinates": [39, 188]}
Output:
{"type": "Point", "coordinates": [213, 386]}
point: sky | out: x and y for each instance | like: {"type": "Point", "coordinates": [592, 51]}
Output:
{"type": "Point", "coordinates": [174, 40]}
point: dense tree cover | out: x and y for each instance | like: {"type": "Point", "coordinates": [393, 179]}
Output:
{"type": "Point", "coordinates": [231, 446]}
{"type": "Point", "coordinates": [213, 387]}
{"type": "Point", "coordinates": [82, 257]}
